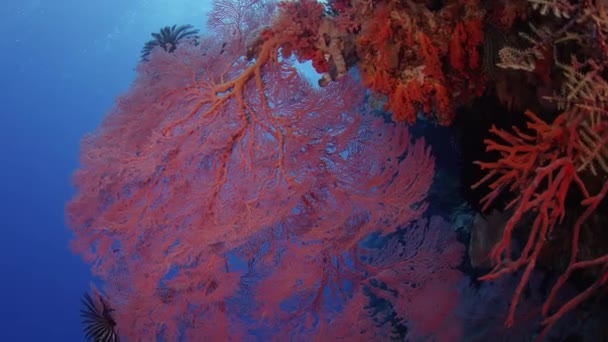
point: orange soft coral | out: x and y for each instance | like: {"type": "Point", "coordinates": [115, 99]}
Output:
{"type": "Point", "coordinates": [420, 59]}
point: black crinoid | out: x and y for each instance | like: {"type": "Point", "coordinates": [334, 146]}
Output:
{"type": "Point", "coordinates": [168, 38]}
{"type": "Point", "coordinates": [98, 324]}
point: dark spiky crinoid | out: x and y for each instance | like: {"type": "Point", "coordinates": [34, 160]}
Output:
{"type": "Point", "coordinates": [168, 38]}
{"type": "Point", "coordinates": [98, 324]}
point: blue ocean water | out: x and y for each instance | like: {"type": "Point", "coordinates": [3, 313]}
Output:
{"type": "Point", "coordinates": [62, 63]}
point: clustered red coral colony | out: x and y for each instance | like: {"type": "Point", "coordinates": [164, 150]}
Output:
{"type": "Point", "coordinates": [216, 144]}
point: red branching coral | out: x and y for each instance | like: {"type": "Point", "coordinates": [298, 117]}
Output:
{"type": "Point", "coordinates": [541, 168]}
{"type": "Point", "coordinates": [566, 159]}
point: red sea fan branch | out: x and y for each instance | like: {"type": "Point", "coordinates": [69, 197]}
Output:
{"type": "Point", "coordinates": [417, 274]}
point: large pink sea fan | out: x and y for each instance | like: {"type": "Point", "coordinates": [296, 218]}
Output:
{"type": "Point", "coordinates": [213, 176]}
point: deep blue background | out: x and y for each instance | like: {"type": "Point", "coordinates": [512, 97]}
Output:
{"type": "Point", "coordinates": [62, 63]}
